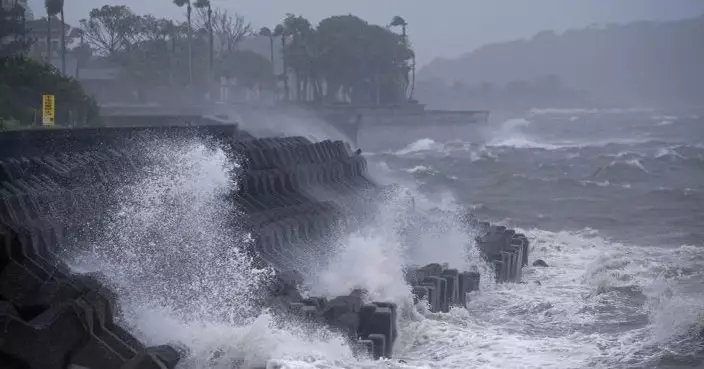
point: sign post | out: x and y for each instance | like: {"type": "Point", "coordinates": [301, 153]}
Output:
{"type": "Point", "coordinates": [48, 110]}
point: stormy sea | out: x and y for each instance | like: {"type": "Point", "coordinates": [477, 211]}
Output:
{"type": "Point", "coordinates": [612, 201]}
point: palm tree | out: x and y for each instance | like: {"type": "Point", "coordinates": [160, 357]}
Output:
{"type": "Point", "coordinates": [399, 21]}
{"type": "Point", "coordinates": [281, 31]}
{"type": "Point", "coordinates": [171, 30]}
{"type": "Point", "coordinates": [63, 38]}
{"type": "Point", "coordinates": [189, 10]}
{"type": "Point", "coordinates": [265, 31]}
{"type": "Point", "coordinates": [200, 4]}
{"type": "Point", "coordinates": [53, 7]}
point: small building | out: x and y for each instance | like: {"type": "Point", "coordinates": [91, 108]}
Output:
{"type": "Point", "coordinates": [37, 33]}
{"type": "Point", "coordinates": [11, 4]}
{"type": "Point", "coordinates": [20, 17]}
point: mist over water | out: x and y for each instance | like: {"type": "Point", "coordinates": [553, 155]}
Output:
{"type": "Point", "coordinates": [612, 200]}
{"type": "Point", "coordinates": [623, 290]}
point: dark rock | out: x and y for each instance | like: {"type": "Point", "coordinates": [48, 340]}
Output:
{"type": "Point", "coordinates": [540, 263]}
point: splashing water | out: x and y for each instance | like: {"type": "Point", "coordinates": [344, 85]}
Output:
{"type": "Point", "coordinates": [511, 134]}
{"type": "Point", "coordinates": [423, 144]}
{"type": "Point", "coordinates": [172, 250]}
{"type": "Point", "coordinates": [171, 238]}
{"type": "Point", "coordinates": [402, 234]}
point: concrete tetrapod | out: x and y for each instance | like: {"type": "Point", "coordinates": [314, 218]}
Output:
{"type": "Point", "coordinates": [370, 328]}
{"type": "Point", "coordinates": [52, 319]}
{"type": "Point", "coordinates": [294, 195]}
{"type": "Point", "coordinates": [505, 248]}
{"type": "Point", "coordinates": [441, 287]}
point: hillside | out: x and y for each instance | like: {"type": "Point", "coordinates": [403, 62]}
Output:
{"type": "Point", "coordinates": [642, 63]}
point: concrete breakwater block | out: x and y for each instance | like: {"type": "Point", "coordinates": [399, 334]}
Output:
{"type": "Point", "coordinates": [370, 327]}
{"type": "Point", "coordinates": [295, 196]}
{"type": "Point", "coordinates": [504, 248]}
{"type": "Point", "coordinates": [441, 287]}
{"type": "Point", "coordinates": [52, 319]}
{"type": "Point", "coordinates": [279, 195]}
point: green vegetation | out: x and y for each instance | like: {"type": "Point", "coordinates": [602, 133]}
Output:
{"type": "Point", "coordinates": [12, 35]}
{"type": "Point", "coordinates": [23, 81]}
{"type": "Point", "coordinates": [342, 59]}
{"type": "Point", "coordinates": [53, 8]}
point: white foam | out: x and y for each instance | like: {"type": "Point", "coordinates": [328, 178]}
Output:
{"type": "Point", "coordinates": [556, 324]}
{"type": "Point", "coordinates": [424, 144]}
{"type": "Point", "coordinates": [511, 134]}
{"type": "Point", "coordinates": [374, 257]}
{"type": "Point", "coordinates": [665, 118]}
{"type": "Point", "coordinates": [171, 250]}
{"type": "Point", "coordinates": [668, 152]}
{"type": "Point", "coordinates": [179, 204]}
{"type": "Point", "coordinates": [561, 111]}
{"type": "Point", "coordinates": [418, 169]}
{"type": "Point", "coordinates": [636, 163]}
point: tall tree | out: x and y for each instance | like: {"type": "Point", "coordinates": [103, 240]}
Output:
{"type": "Point", "coordinates": [189, 10]}
{"type": "Point", "coordinates": [205, 5]}
{"type": "Point", "coordinates": [63, 38]}
{"type": "Point", "coordinates": [53, 7]}
{"type": "Point", "coordinates": [12, 31]}
{"type": "Point", "coordinates": [399, 21]}
{"type": "Point", "coordinates": [362, 62]}
{"type": "Point", "coordinates": [298, 52]}
{"type": "Point", "coordinates": [111, 29]}
{"type": "Point", "coordinates": [83, 52]}
{"type": "Point", "coordinates": [230, 29]}
{"type": "Point", "coordinates": [148, 63]}
{"type": "Point", "coordinates": [266, 32]}
{"type": "Point", "coordinates": [280, 31]}
{"type": "Point", "coordinates": [396, 22]}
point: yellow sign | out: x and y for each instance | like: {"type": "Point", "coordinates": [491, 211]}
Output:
{"type": "Point", "coordinates": [48, 110]}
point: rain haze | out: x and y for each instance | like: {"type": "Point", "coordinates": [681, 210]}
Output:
{"type": "Point", "coordinates": [443, 28]}
{"type": "Point", "coordinates": [297, 184]}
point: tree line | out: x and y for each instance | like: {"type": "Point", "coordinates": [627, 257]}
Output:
{"type": "Point", "coordinates": [24, 80]}
{"type": "Point", "coordinates": [342, 58]}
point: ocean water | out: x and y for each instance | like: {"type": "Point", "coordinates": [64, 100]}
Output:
{"type": "Point", "coordinates": [613, 201]}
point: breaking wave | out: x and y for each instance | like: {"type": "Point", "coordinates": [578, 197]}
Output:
{"type": "Point", "coordinates": [558, 111]}
{"type": "Point", "coordinates": [576, 316]}
{"type": "Point", "coordinates": [600, 303]}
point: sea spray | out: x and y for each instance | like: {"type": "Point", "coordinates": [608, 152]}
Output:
{"type": "Point", "coordinates": [172, 251]}
{"type": "Point", "coordinates": [172, 238]}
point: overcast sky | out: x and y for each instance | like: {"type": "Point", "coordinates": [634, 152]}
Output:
{"type": "Point", "coordinates": [437, 28]}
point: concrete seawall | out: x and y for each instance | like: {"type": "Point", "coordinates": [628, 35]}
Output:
{"type": "Point", "coordinates": [294, 194]}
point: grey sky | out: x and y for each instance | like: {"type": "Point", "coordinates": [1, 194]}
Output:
{"type": "Point", "coordinates": [438, 28]}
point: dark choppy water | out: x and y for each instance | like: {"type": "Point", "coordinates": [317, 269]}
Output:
{"type": "Point", "coordinates": [614, 202]}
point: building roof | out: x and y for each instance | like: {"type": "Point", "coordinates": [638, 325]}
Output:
{"type": "Point", "coordinates": [98, 74]}
{"type": "Point", "coordinates": [39, 26]}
